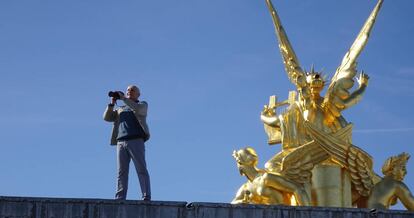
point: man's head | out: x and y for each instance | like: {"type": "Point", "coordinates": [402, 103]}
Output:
{"type": "Point", "coordinates": [132, 92]}
{"type": "Point", "coordinates": [395, 166]}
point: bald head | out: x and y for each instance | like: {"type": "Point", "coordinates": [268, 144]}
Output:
{"type": "Point", "coordinates": [133, 92]}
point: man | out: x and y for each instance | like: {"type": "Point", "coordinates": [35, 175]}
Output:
{"type": "Point", "coordinates": [129, 133]}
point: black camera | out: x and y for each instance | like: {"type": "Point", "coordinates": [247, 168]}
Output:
{"type": "Point", "coordinates": [115, 94]}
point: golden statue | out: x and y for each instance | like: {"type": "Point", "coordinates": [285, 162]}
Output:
{"type": "Point", "coordinates": [318, 160]}
{"type": "Point", "coordinates": [264, 187]}
{"type": "Point", "coordinates": [391, 188]}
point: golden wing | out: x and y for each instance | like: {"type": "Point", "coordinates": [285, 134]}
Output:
{"type": "Point", "coordinates": [338, 94]}
{"type": "Point", "coordinates": [292, 66]}
{"type": "Point", "coordinates": [298, 164]}
{"type": "Point", "coordinates": [358, 163]}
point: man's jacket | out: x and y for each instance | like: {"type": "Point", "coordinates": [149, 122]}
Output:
{"type": "Point", "coordinates": [140, 111]}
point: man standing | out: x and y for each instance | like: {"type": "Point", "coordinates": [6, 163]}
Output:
{"type": "Point", "coordinates": [129, 133]}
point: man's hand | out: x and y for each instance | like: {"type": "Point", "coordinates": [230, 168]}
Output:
{"type": "Point", "coordinates": [121, 95]}
{"type": "Point", "coordinates": [113, 100]}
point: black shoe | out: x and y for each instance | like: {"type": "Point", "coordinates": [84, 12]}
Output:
{"type": "Point", "coordinates": [146, 198]}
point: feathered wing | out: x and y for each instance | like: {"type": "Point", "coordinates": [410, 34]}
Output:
{"type": "Point", "coordinates": [358, 163]}
{"type": "Point", "coordinates": [290, 60]}
{"type": "Point", "coordinates": [343, 80]}
{"type": "Point", "coordinates": [298, 164]}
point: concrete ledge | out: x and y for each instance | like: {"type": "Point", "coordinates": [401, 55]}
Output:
{"type": "Point", "coordinates": [103, 208]}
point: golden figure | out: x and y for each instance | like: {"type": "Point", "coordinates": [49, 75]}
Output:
{"type": "Point", "coordinates": [325, 112]}
{"type": "Point", "coordinates": [271, 123]}
{"type": "Point", "coordinates": [391, 188]}
{"type": "Point", "coordinates": [314, 119]}
{"type": "Point", "coordinates": [318, 158]}
{"type": "Point", "coordinates": [264, 187]}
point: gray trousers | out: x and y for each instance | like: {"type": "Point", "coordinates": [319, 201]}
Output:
{"type": "Point", "coordinates": [126, 150]}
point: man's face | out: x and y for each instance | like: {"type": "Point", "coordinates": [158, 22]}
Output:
{"type": "Point", "coordinates": [132, 93]}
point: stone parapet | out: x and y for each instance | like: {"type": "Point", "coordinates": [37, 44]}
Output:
{"type": "Point", "coordinates": [28, 207]}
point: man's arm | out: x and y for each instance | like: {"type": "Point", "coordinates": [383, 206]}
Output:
{"type": "Point", "coordinates": [110, 114]}
{"type": "Point", "coordinates": [139, 108]}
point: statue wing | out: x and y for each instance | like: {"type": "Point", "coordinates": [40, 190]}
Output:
{"type": "Point", "coordinates": [292, 66]}
{"type": "Point", "coordinates": [358, 163]}
{"type": "Point", "coordinates": [298, 164]}
{"type": "Point", "coordinates": [343, 80]}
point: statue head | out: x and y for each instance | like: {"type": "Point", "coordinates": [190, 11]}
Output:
{"type": "Point", "coordinates": [246, 158]}
{"type": "Point", "coordinates": [315, 80]}
{"type": "Point", "coordinates": [395, 166]}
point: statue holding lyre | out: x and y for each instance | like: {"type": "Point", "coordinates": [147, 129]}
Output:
{"type": "Point", "coordinates": [317, 153]}
{"type": "Point", "coordinates": [316, 121]}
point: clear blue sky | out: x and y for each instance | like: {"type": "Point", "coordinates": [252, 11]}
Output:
{"type": "Point", "coordinates": [206, 68]}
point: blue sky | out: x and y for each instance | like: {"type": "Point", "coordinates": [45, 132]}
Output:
{"type": "Point", "coordinates": [206, 68]}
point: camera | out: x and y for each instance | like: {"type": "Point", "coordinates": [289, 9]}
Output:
{"type": "Point", "coordinates": [115, 94]}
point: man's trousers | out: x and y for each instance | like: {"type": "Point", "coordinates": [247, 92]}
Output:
{"type": "Point", "coordinates": [126, 150]}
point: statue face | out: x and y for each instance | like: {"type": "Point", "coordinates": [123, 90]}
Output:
{"type": "Point", "coordinates": [315, 82]}
{"type": "Point", "coordinates": [399, 172]}
{"type": "Point", "coordinates": [244, 159]}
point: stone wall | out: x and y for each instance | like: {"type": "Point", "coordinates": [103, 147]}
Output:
{"type": "Point", "coordinates": [13, 207]}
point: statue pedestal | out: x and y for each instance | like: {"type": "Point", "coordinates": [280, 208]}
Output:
{"type": "Point", "coordinates": [331, 186]}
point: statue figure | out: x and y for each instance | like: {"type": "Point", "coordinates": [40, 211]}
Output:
{"type": "Point", "coordinates": [286, 128]}
{"type": "Point", "coordinates": [314, 119]}
{"type": "Point", "coordinates": [318, 160]}
{"type": "Point", "coordinates": [391, 188]}
{"type": "Point", "coordinates": [324, 113]}
{"type": "Point", "coordinates": [264, 187]}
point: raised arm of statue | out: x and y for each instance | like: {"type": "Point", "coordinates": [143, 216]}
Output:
{"type": "Point", "coordinates": [356, 96]}
{"type": "Point", "coordinates": [337, 97]}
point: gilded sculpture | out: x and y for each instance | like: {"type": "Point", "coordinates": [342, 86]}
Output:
{"type": "Point", "coordinates": [265, 187]}
{"type": "Point", "coordinates": [391, 188]}
{"type": "Point", "coordinates": [318, 163]}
